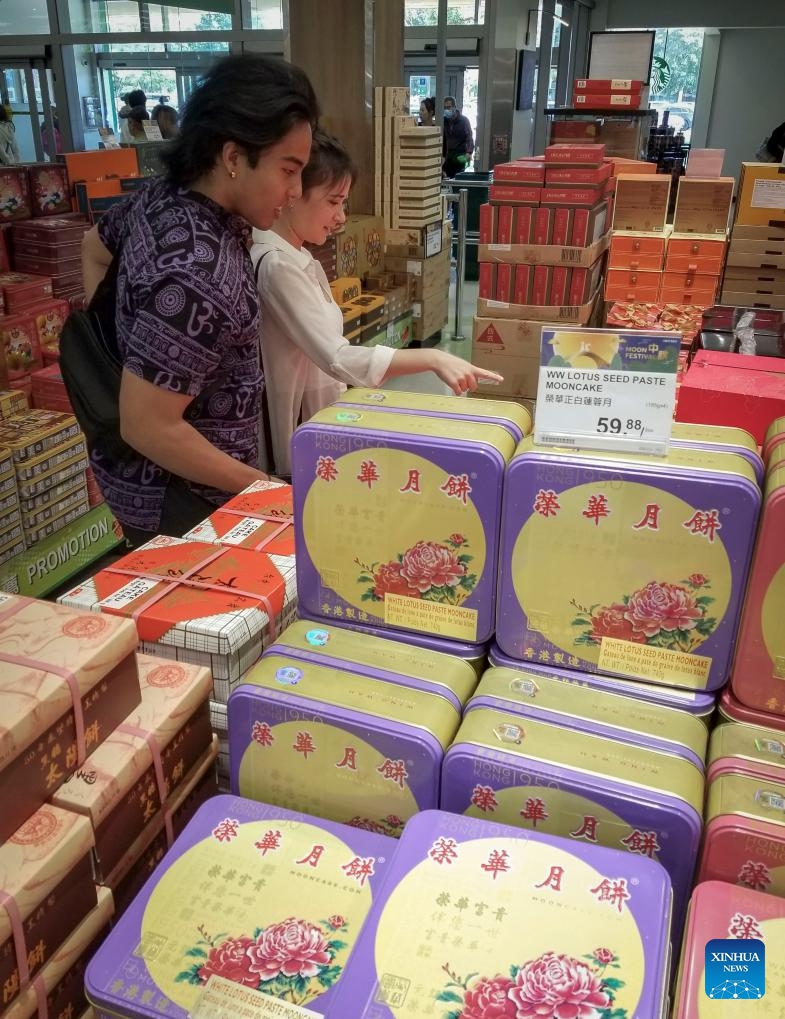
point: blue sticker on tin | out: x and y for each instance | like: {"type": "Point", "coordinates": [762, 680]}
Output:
{"type": "Point", "coordinates": [289, 675]}
{"type": "Point", "coordinates": [317, 638]}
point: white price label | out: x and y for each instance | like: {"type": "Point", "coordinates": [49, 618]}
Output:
{"type": "Point", "coordinates": [224, 999]}
{"type": "Point", "coordinates": [607, 390]}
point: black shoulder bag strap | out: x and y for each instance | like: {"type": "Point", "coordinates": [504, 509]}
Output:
{"type": "Point", "coordinates": [267, 437]}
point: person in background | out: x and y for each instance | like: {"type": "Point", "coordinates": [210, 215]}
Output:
{"type": "Point", "coordinates": [307, 361]}
{"type": "Point", "coordinates": [131, 100]}
{"type": "Point", "coordinates": [773, 147]}
{"type": "Point", "coordinates": [135, 116]}
{"type": "Point", "coordinates": [458, 143]}
{"type": "Point", "coordinates": [166, 117]}
{"type": "Point", "coordinates": [186, 305]}
{"type": "Point", "coordinates": [428, 112]}
{"type": "Point", "coordinates": [50, 151]}
{"type": "Point", "coordinates": [9, 150]}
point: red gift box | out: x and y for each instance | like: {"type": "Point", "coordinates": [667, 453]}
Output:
{"type": "Point", "coordinates": [260, 518]}
{"type": "Point", "coordinates": [733, 389]}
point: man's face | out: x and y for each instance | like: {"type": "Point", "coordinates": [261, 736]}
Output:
{"type": "Point", "coordinates": [449, 109]}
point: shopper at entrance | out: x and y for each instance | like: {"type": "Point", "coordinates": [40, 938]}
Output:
{"type": "Point", "coordinates": [428, 112]}
{"type": "Point", "coordinates": [9, 150]}
{"type": "Point", "coordinates": [135, 99]}
{"type": "Point", "coordinates": [458, 143]}
{"type": "Point", "coordinates": [187, 310]}
{"type": "Point", "coordinates": [135, 116]}
{"type": "Point", "coordinates": [167, 119]}
{"type": "Point", "coordinates": [307, 361]}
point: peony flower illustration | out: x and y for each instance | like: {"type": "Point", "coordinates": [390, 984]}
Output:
{"type": "Point", "coordinates": [290, 948]}
{"type": "Point", "coordinates": [428, 565]}
{"type": "Point", "coordinates": [661, 606]}
{"type": "Point", "coordinates": [387, 579]}
{"type": "Point", "coordinates": [697, 579]}
{"type": "Point", "coordinates": [604, 956]}
{"type": "Point", "coordinates": [612, 622]}
{"type": "Point", "coordinates": [489, 999]}
{"type": "Point", "coordinates": [456, 539]}
{"type": "Point", "coordinates": [230, 960]}
{"type": "Point", "coordinates": [336, 922]}
{"type": "Point", "coordinates": [558, 987]}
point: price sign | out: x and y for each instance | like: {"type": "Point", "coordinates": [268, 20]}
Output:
{"type": "Point", "coordinates": [607, 389]}
{"type": "Point", "coordinates": [152, 131]}
{"type": "Point", "coordinates": [109, 138]}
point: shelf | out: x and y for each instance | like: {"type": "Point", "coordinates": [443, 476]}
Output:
{"type": "Point", "coordinates": [572, 111]}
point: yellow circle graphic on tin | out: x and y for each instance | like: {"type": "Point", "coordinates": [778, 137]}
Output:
{"type": "Point", "coordinates": [332, 774]}
{"type": "Point", "coordinates": [275, 905]}
{"type": "Point", "coordinates": [390, 522]}
{"type": "Point", "coordinates": [621, 560]}
{"type": "Point", "coordinates": [479, 922]}
{"type": "Point", "coordinates": [725, 1005]}
{"type": "Point", "coordinates": [771, 622]}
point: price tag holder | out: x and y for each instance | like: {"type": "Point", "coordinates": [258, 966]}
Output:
{"type": "Point", "coordinates": [152, 131]}
{"type": "Point", "coordinates": [607, 389]}
{"type": "Point", "coordinates": [224, 999]}
{"type": "Point", "coordinates": [109, 138]}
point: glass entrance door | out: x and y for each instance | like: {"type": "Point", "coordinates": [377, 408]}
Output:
{"type": "Point", "coordinates": [26, 90]}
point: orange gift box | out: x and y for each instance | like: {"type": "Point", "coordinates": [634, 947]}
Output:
{"type": "Point", "coordinates": [124, 784]}
{"type": "Point", "coordinates": [67, 680]}
{"type": "Point", "coordinates": [206, 604]}
{"type": "Point", "coordinates": [259, 518]}
{"type": "Point", "coordinates": [46, 888]}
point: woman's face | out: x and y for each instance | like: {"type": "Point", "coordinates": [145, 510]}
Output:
{"type": "Point", "coordinates": [260, 192]}
{"type": "Point", "coordinates": [321, 211]}
{"type": "Point", "coordinates": [424, 115]}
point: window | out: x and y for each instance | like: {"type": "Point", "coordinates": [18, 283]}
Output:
{"type": "Point", "coordinates": [418, 13]}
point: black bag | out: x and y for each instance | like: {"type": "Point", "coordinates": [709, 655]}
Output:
{"type": "Point", "coordinates": [91, 368]}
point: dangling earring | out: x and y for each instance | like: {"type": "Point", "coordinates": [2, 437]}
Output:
{"type": "Point", "coordinates": [232, 174]}
{"type": "Point", "coordinates": [290, 205]}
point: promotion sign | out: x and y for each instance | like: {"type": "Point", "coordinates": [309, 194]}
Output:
{"type": "Point", "coordinates": [607, 389]}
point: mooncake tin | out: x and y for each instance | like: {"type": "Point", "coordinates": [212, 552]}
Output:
{"type": "Point", "coordinates": [397, 520]}
{"type": "Point", "coordinates": [66, 464]}
{"type": "Point", "coordinates": [31, 433]}
{"type": "Point", "coordinates": [731, 709]}
{"type": "Point", "coordinates": [696, 702]}
{"type": "Point", "coordinates": [744, 840]}
{"type": "Point", "coordinates": [475, 655]}
{"type": "Point", "coordinates": [597, 712]}
{"type": "Point", "coordinates": [748, 744]}
{"type": "Point", "coordinates": [512, 416]}
{"type": "Point", "coordinates": [719, 439]}
{"type": "Point", "coordinates": [377, 658]}
{"type": "Point", "coordinates": [259, 518]}
{"type": "Point", "coordinates": [126, 782]}
{"type": "Point", "coordinates": [343, 746]}
{"type": "Point", "coordinates": [722, 912]}
{"type": "Point", "coordinates": [51, 658]}
{"type": "Point", "coordinates": [478, 919]}
{"type": "Point", "coordinates": [198, 603]}
{"type": "Point", "coordinates": [581, 787]}
{"type": "Point", "coordinates": [276, 902]}
{"type": "Point", "coordinates": [46, 885]}
{"type": "Point", "coordinates": [759, 665]}
{"type": "Point", "coordinates": [37, 468]}
{"type": "Point", "coordinates": [628, 565]}
{"type": "Point", "coordinates": [775, 436]}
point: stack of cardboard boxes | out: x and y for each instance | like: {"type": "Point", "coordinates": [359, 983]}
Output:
{"type": "Point", "coordinates": [610, 93]}
{"type": "Point", "coordinates": [755, 270]}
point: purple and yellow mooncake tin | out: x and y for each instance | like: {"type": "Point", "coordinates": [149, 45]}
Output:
{"type": "Point", "coordinates": [477, 919]}
{"type": "Point", "coordinates": [475, 655]}
{"type": "Point", "coordinates": [266, 898]}
{"type": "Point", "coordinates": [377, 658]}
{"type": "Point", "coordinates": [719, 439]}
{"type": "Point", "coordinates": [697, 702]}
{"type": "Point", "coordinates": [628, 565]}
{"type": "Point", "coordinates": [581, 787]}
{"type": "Point", "coordinates": [355, 749]}
{"type": "Point", "coordinates": [514, 417]}
{"type": "Point", "coordinates": [397, 520]}
{"type": "Point", "coordinates": [597, 712]}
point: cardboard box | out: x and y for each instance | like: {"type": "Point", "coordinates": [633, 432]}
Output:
{"type": "Point", "coordinates": [556, 176]}
{"type": "Point", "coordinates": [426, 273]}
{"type": "Point", "coordinates": [756, 254]}
{"type": "Point", "coordinates": [588, 225]}
{"type": "Point", "coordinates": [523, 224]}
{"type": "Point", "coordinates": [761, 197]}
{"type": "Point", "coordinates": [428, 317]}
{"type": "Point", "coordinates": [345, 288]}
{"type": "Point", "coordinates": [739, 279]}
{"type": "Point", "coordinates": [742, 232]}
{"type": "Point", "coordinates": [541, 284]}
{"type": "Point", "coordinates": [545, 254]}
{"type": "Point", "coordinates": [560, 276]}
{"type": "Point", "coordinates": [514, 194]}
{"type": "Point", "coordinates": [543, 224]}
{"type": "Point", "coordinates": [563, 131]}
{"type": "Point", "coordinates": [595, 85]}
{"type": "Point", "coordinates": [562, 225]}
{"type": "Point", "coordinates": [488, 215]}
{"type": "Point", "coordinates": [575, 314]}
{"type": "Point", "coordinates": [510, 347]}
{"type": "Point", "coordinates": [747, 299]}
{"type": "Point", "coordinates": [574, 155]}
{"type": "Point", "coordinates": [703, 205]}
{"type": "Point", "coordinates": [360, 246]}
{"type": "Point", "coordinates": [417, 242]}
{"type": "Point", "coordinates": [587, 196]}
{"type": "Point", "coordinates": [641, 202]}
{"type": "Point", "coordinates": [504, 276]}
{"type": "Point", "coordinates": [522, 284]}
{"type": "Point", "coordinates": [607, 100]}
{"type": "Point", "coordinates": [637, 251]}
{"type": "Point", "coordinates": [728, 389]}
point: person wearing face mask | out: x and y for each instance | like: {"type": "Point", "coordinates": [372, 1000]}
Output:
{"type": "Point", "coordinates": [457, 143]}
{"type": "Point", "coordinates": [307, 362]}
{"type": "Point", "coordinates": [186, 308]}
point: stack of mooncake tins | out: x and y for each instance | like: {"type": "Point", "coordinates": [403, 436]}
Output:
{"type": "Point", "coordinates": [50, 460]}
{"type": "Point", "coordinates": [346, 726]}
{"type": "Point", "coordinates": [745, 930]}
{"type": "Point", "coordinates": [259, 518]}
{"type": "Point", "coordinates": [627, 565]}
{"type": "Point", "coordinates": [67, 680]}
{"type": "Point", "coordinates": [398, 502]}
{"type": "Point", "coordinates": [759, 668]}
{"type": "Point", "coordinates": [276, 902]}
{"type": "Point", "coordinates": [584, 764]}
{"type": "Point", "coordinates": [204, 604]}
{"type": "Point", "coordinates": [130, 787]}
{"type": "Point", "coordinates": [12, 540]}
{"type": "Point", "coordinates": [744, 841]}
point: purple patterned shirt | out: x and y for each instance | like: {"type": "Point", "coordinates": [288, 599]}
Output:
{"type": "Point", "coordinates": [187, 318]}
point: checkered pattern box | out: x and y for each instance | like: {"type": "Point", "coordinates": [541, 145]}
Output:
{"type": "Point", "coordinates": [199, 603]}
